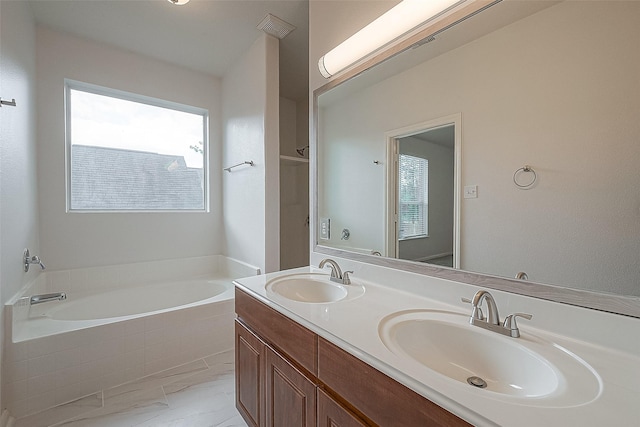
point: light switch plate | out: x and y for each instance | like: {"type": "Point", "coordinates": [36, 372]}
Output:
{"type": "Point", "coordinates": [470, 191]}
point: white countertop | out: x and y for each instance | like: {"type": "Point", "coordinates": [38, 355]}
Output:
{"type": "Point", "coordinates": [353, 324]}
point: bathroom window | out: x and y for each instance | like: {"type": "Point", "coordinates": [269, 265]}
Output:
{"type": "Point", "coordinates": [413, 197]}
{"type": "Point", "coordinates": [127, 152]}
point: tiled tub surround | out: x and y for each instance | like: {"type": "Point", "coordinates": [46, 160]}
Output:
{"type": "Point", "coordinates": [48, 362]}
{"type": "Point", "coordinates": [607, 343]}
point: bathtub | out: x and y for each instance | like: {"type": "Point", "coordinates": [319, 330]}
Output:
{"type": "Point", "coordinates": [135, 301]}
{"type": "Point", "coordinates": [118, 324]}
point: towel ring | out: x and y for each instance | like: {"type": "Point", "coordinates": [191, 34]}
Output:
{"type": "Point", "coordinates": [524, 169]}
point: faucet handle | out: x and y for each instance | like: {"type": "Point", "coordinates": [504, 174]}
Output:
{"type": "Point", "coordinates": [510, 323]}
{"type": "Point", "coordinates": [346, 280]}
{"type": "Point", "coordinates": [477, 311]}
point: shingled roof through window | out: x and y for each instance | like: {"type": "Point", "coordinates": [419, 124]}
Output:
{"type": "Point", "coordinates": [115, 179]}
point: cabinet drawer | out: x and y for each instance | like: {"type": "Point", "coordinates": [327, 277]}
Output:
{"type": "Point", "coordinates": [382, 399]}
{"type": "Point", "coordinates": [279, 331]}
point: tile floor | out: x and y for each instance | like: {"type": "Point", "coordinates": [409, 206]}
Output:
{"type": "Point", "coordinates": [198, 394]}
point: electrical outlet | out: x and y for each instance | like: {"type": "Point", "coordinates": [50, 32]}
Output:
{"type": "Point", "coordinates": [325, 228]}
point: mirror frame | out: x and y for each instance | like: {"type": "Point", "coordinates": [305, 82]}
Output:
{"type": "Point", "coordinates": [607, 302]}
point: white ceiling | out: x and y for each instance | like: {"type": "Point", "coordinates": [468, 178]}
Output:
{"type": "Point", "coordinates": [203, 35]}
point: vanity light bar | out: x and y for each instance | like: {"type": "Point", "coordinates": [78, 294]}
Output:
{"type": "Point", "coordinates": [397, 21]}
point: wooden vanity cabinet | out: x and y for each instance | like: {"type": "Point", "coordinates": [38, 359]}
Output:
{"type": "Point", "coordinates": [287, 376]}
{"type": "Point", "coordinates": [270, 391]}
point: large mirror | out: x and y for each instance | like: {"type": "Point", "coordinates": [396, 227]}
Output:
{"type": "Point", "coordinates": [543, 183]}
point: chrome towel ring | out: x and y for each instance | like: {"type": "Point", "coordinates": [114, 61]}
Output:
{"type": "Point", "coordinates": [517, 177]}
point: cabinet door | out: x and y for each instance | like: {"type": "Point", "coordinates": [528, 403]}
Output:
{"type": "Point", "coordinates": [332, 414]}
{"type": "Point", "coordinates": [290, 396]}
{"type": "Point", "coordinates": [250, 365]}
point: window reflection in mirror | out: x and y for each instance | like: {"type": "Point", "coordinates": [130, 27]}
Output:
{"type": "Point", "coordinates": [426, 196]}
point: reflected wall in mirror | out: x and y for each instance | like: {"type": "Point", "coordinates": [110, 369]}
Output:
{"type": "Point", "coordinates": [558, 90]}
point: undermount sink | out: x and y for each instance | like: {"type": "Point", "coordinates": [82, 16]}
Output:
{"type": "Point", "coordinates": [525, 368]}
{"type": "Point", "coordinates": [311, 288]}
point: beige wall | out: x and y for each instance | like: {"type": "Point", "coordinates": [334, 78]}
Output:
{"type": "Point", "coordinates": [73, 240]}
{"type": "Point", "coordinates": [548, 91]}
{"type": "Point", "coordinates": [18, 174]}
{"type": "Point", "coordinates": [250, 116]}
{"type": "Point", "coordinates": [18, 179]}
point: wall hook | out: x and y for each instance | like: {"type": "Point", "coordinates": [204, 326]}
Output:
{"type": "Point", "coordinates": [301, 151]}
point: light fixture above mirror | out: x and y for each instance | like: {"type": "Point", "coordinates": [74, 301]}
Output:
{"type": "Point", "coordinates": [402, 19]}
{"type": "Point", "coordinates": [178, 2]}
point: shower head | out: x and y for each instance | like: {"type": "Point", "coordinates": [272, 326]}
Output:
{"type": "Point", "coordinates": [300, 151]}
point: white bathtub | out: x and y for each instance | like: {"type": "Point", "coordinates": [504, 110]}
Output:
{"type": "Point", "coordinates": [108, 332]}
{"type": "Point", "coordinates": [133, 301]}
{"type": "Point", "coordinates": [140, 300]}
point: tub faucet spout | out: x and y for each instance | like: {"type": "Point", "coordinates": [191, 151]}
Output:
{"type": "Point", "coordinates": [38, 299]}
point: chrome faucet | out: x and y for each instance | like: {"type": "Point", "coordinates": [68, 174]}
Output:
{"type": "Point", "coordinates": [492, 320]}
{"type": "Point", "coordinates": [38, 299]}
{"type": "Point", "coordinates": [492, 309]}
{"type": "Point", "coordinates": [336, 273]}
{"type": "Point", "coordinates": [28, 260]}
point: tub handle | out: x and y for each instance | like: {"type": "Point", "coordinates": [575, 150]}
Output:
{"type": "Point", "coordinates": [28, 260]}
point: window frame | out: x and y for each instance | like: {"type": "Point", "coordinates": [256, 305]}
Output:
{"type": "Point", "coordinates": [70, 85]}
